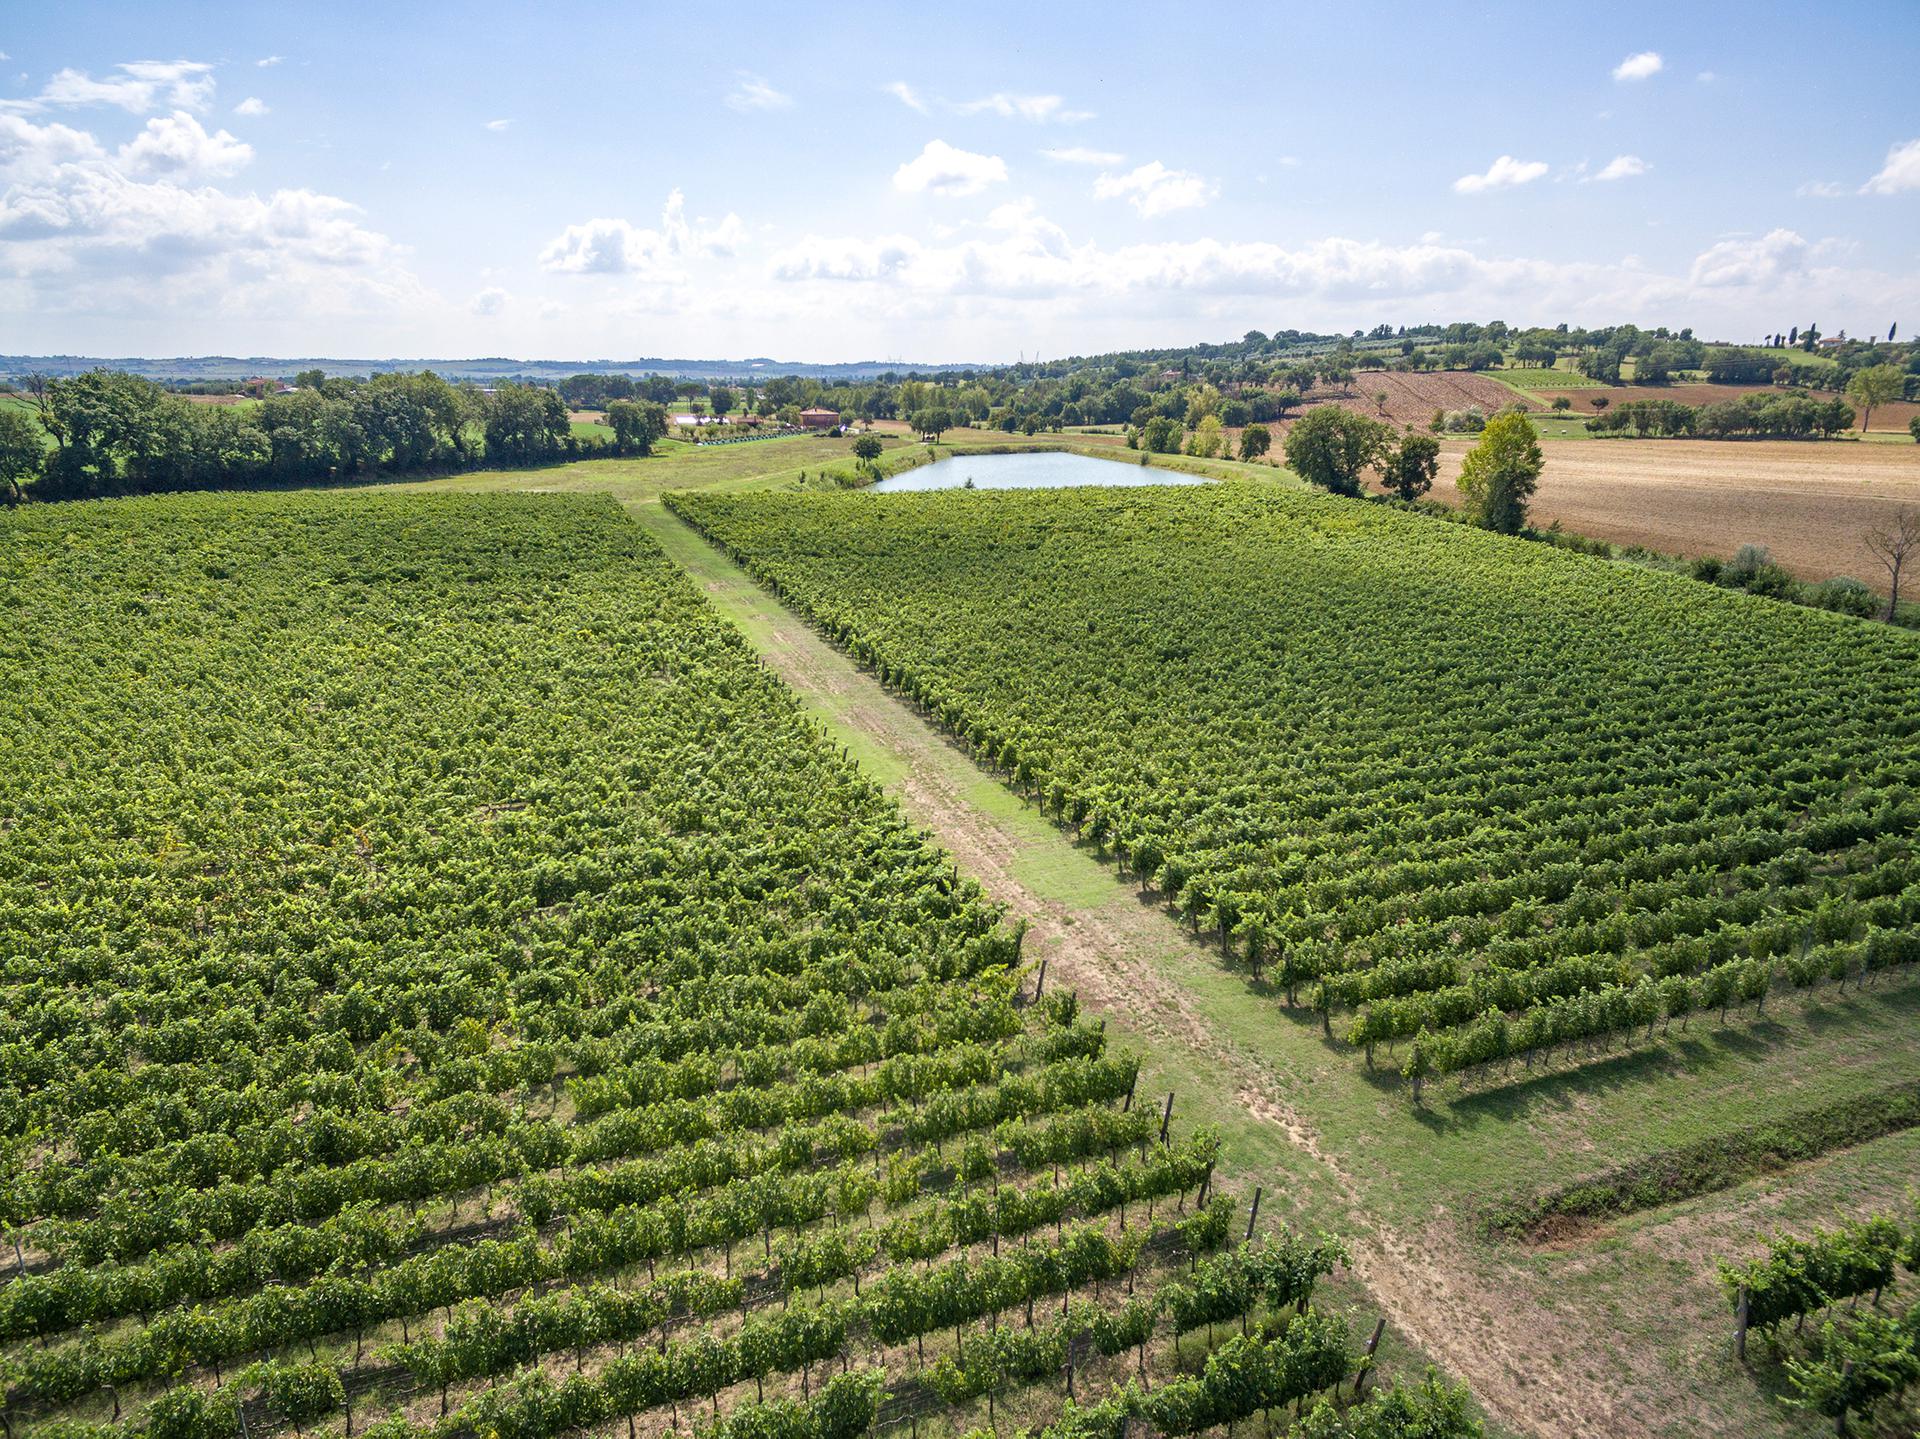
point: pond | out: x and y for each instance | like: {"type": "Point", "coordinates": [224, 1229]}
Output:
{"type": "Point", "coordinates": [1030, 470]}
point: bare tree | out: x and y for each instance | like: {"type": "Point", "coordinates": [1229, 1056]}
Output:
{"type": "Point", "coordinates": [1893, 544]}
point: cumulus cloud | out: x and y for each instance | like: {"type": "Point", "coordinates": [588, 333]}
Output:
{"type": "Point", "coordinates": [1081, 155]}
{"type": "Point", "coordinates": [1153, 189]}
{"type": "Point", "coordinates": [497, 126]}
{"type": "Point", "coordinates": [179, 145]}
{"type": "Point", "coordinates": [1038, 108]}
{"type": "Point", "coordinates": [944, 170]}
{"type": "Point", "coordinates": [269, 60]}
{"type": "Point", "coordinates": [1502, 174]}
{"type": "Point", "coordinates": [1821, 190]}
{"type": "Point", "coordinates": [1642, 66]}
{"type": "Point", "coordinates": [142, 231]}
{"type": "Point", "coordinates": [1019, 259]}
{"type": "Point", "coordinates": [30, 152]}
{"type": "Point", "coordinates": [752, 92]}
{"type": "Point", "coordinates": [906, 95]}
{"type": "Point", "coordinates": [140, 87]}
{"type": "Point", "coordinates": [1901, 172]}
{"type": "Point", "coordinates": [1772, 259]}
{"type": "Point", "coordinates": [619, 247]}
{"type": "Point", "coordinates": [252, 106]}
{"type": "Point", "coordinates": [490, 301]}
{"type": "Point", "coordinates": [1623, 167]}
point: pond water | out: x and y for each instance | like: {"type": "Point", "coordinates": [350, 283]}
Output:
{"type": "Point", "coordinates": [1030, 470]}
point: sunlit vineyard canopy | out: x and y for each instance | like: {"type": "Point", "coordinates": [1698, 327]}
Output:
{"type": "Point", "coordinates": [449, 986]}
{"type": "Point", "coordinates": [1477, 794]}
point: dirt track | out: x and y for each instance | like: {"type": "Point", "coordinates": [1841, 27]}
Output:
{"type": "Point", "coordinates": [1808, 502]}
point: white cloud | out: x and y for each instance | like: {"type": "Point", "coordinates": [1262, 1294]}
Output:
{"type": "Point", "coordinates": [1901, 172]}
{"type": "Point", "coordinates": [1503, 173]}
{"type": "Point", "coordinates": [1706, 77]}
{"type": "Point", "coordinates": [1021, 270]}
{"type": "Point", "coordinates": [30, 152]}
{"type": "Point", "coordinates": [1153, 189]}
{"type": "Point", "coordinates": [1772, 259]}
{"type": "Point", "coordinates": [141, 87]}
{"type": "Point", "coordinates": [269, 60]}
{"type": "Point", "coordinates": [1822, 190]}
{"type": "Point", "coordinates": [1038, 108]}
{"type": "Point", "coordinates": [179, 145]}
{"type": "Point", "coordinates": [1642, 66]}
{"type": "Point", "coordinates": [1623, 167]}
{"type": "Point", "coordinates": [497, 126]}
{"type": "Point", "coordinates": [906, 95]}
{"type": "Point", "coordinates": [253, 105]}
{"type": "Point", "coordinates": [752, 92]}
{"type": "Point", "coordinates": [945, 170]}
{"type": "Point", "coordinates": [88, 235]}
{"type": "Point", "coordinates": [619, 247]}
{"type": "Point", "coordinates": [1081, 155]}
{"type": "Point", "coordinates": [490, 301]}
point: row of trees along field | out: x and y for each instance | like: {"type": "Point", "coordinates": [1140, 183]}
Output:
{"type": "Point", "coordinates": [106, 432]}
{"type": "Point", "coordinates": [1373, 805]}
{"type": "Point", "coordinates": [1862, 1362]}
{"type": "Point", "coordinates": [511, 1016]}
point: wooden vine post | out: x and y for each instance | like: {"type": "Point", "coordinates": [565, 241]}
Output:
{"type": "Point", "coordinates": [1741, 1311]}
{"type": "Point", "coordinates": [1366, 1358]}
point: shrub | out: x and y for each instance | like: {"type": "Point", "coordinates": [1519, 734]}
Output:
{"type": "Point", "coordinates": [1844, 594]}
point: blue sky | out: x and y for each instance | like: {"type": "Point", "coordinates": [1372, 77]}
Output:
{"type": "Point", "coordinates": [961, 183]}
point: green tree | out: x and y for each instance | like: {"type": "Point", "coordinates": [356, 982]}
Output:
{"type": "Point", "coordinates": [1913, 428]}
{"type": "Point", "coordinates": [1875, 385]}
{"type": "Point", "coordinates": [1332, 447]}
{"type": "Point", "coordinates": [23, 448]}
{"type": "Point", "coordinates": [1501, 473]}
{"type": "Point", "coordinates": [1161, 436]}
{"type": "Point", "coordinates": [931, 423]}
{"type": "Point", "coordinates": [867, 448]}
{"type": "Point", "coordinates": [1410, 469]}
{"type": "Point", "coordinates": [1207, 438]}
{"type": "Point", "coordinates": [636, 425]}
{"type": "Point", "coordinates": [1255, 441]}
{"type": "Point", "coordinates": [721, 399]}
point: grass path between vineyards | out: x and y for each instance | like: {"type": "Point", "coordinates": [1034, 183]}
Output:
{"type": "Point", "coordinates": [1165, 993]}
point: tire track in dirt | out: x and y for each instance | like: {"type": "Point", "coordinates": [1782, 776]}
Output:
{"type": "Point", "coordinates": [1516, 1356]}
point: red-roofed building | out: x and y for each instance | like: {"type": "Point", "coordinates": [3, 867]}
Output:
{"type": "Point", "coordinates": [819, 419]}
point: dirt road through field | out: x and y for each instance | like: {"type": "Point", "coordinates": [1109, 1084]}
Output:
{"type": "Point", "coordinates": [1532, 1367]}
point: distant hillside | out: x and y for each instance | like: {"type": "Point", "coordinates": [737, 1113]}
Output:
{"type": "Point", "coordinates": [242, 367]}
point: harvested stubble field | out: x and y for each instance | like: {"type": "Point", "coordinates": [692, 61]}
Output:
{"type": "Point", "coordinates": [1811, 503]}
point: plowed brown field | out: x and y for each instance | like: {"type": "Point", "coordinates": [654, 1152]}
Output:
{"type": "Point", "coordinates": [1412, 399]}
{"type": "Point", "coordinates": [1809, 502]}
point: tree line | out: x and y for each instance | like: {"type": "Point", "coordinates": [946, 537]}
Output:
{"type": "Point", "coordinates": [105, 432]}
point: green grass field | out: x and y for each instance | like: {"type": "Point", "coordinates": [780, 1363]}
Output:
{"type": "Point", "coordinates": [1528, 379]}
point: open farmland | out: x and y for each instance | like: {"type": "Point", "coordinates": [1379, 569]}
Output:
{"type": "Point", "coordinates": [507, 1014]}
{"type": "Point", "coordinates": [1810, 503]}
{"type": "Point", "coordinates": [1550, 807]}
{"type": "Point", "coordinates": [1412, 398]}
